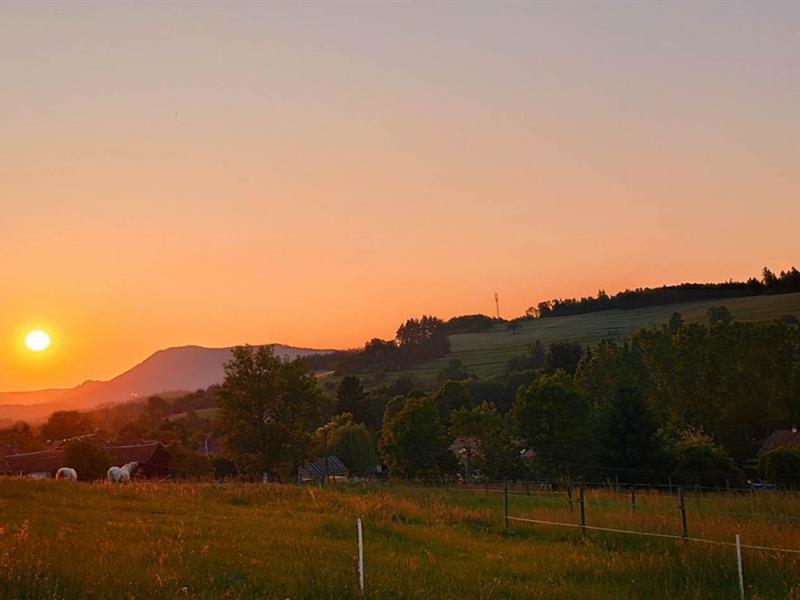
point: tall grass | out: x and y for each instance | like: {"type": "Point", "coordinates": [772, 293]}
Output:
{"type": "Point", "coordinates": [171, 540]}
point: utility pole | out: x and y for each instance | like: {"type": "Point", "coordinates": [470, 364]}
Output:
{"type": "Point", "coordinates": [497, 303]}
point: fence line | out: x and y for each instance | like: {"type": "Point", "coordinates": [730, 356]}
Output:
{"type": "Point", "coordinates": [637, 502]}
{"type": "Point", "coordinates": [657, 535]}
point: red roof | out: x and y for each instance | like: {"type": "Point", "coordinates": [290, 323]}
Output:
{"type": "Point", "coordinates": [781, 438]}
{"type": "Point", "coordinates": [143, 453]}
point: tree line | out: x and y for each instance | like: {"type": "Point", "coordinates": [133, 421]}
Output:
{"type": "Point", "coordinates": [416, 341]}
{"type": "Point", "coordinates": [783, 283]}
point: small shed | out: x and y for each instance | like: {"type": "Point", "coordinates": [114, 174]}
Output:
{"type": "Point", "coordinates": [329, 467]}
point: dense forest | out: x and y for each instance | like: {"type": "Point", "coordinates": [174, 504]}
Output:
{"type": "Point", "coordinates": [770, 283]}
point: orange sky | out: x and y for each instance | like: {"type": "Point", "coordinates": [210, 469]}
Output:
{"type": "Point", "coordinates": [313, 175]}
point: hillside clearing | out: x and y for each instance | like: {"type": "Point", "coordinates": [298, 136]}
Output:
{"type": "Point", "coordinates": [485, 354]}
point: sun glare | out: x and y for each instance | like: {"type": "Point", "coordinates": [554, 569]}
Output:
{"type": "Point", "coordinates": [37, 340]}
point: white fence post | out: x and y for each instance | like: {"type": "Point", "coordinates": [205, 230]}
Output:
{"type": "Point", "coordinates": [360, 558]}
{"type": "Point", "coordinates": [739, 565]}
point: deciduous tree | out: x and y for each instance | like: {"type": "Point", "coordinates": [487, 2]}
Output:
{"type": "Point", "coordinates": [414, 444]}
{"type": "Point", "coordinates": [268, 410]}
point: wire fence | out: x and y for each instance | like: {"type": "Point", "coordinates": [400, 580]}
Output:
{"type": "Point", "coordinates": [580, 502]}
{"type": "Point", "coordinates": [763, 504]}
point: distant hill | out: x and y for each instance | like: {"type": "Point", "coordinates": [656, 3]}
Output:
{"type": "Point", "coordinates": [186, 368]}
{"type": "Point", "coordinates": [487, 353]}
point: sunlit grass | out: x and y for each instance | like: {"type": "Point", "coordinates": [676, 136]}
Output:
{"type": "Point", "coordinates": [61, 540]}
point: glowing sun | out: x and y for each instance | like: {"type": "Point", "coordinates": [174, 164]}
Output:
{"type": "Point", "coordinates": [37, 340]}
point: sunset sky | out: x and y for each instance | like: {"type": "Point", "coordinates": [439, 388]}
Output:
{"type": "Point", "coordinates": [313, 174]}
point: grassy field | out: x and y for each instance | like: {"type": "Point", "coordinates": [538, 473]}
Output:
{"type": "Point", "coordinates": [66, 540]}
{"type": "Point", "coordinates": [487, 353]}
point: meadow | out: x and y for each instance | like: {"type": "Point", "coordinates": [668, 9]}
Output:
{"type": "Point", "coordinates": [486, 354]}
{"type": "Point", "coordinates": [63, 540]}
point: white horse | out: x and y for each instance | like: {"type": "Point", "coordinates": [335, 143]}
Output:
{"type": "Point", "coordinates": [122, 474]}
{"type": "Point", "coordinates": [67, 473]}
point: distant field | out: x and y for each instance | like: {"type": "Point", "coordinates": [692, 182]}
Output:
{"type": "Point", "coordinates": [487, 353]}
{"type": "Point", "coordinates": [67, 541]}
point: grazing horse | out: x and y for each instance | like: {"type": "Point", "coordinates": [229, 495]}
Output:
{"type": "Point", "coordinates": [67, 473]}
{"type": "Point", "coordinates": [122, 474]}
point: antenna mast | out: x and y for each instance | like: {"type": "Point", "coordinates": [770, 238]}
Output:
{"type": "Point", "coordinates": [497, 303]}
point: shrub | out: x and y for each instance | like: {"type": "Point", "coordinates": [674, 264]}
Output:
{"type": "Point", "coordinates": [354, 445]}
{"type": "Point", "coordinates": [699, 461]}
{"type": "Point", "coordinates": [781, 466]}
{"type": "Point", "coordinates": [187, 464]}
{"type": "Point", "coordinates": [88, 458]}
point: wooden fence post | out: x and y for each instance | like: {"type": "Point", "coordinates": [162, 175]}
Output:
{"type": "Point", "coordinates": [360, 558]}
{"type": "Point", "coordinates": [581, 501]}
{"type": "Point", "coordinates": [505, 502]}
{"type": "Point", "coordinates": [682, 506]}
{"type": "Point", "coordinates": [569, 496]}
{"type": "Point", "coordinates": [633, 498]}
{"type": "Point", "coordinates": [739, 566]}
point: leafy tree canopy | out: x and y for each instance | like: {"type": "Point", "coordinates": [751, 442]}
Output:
{"type": "Point", "coordinates": [268, 411]}
{"type": "Point", "coordinates": [88, 458]}
{"type": "Point", "coordinates": [64, 424]}
{"type": "Point", "coordinates": [414, 444]}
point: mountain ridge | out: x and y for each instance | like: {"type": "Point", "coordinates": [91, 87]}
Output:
{"type": "Point", "coordinates": [178, 368]}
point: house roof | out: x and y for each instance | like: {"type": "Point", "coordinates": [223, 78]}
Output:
{"type": "Point", "coordinates": [781, 438]}
{"type": "Point", "coordinates": [318, 469]}
{"type": "Point", "coordinates": [463, 443]}
{"type": "Point", "coordinates": [143, 453]}
{"type": "Point", "coordinates": [35, 462]}
{"type": "Point", "coordinates": [50, 460]}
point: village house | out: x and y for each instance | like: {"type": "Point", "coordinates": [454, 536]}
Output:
{"type": "Point", "coordinates": [781, 438]}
